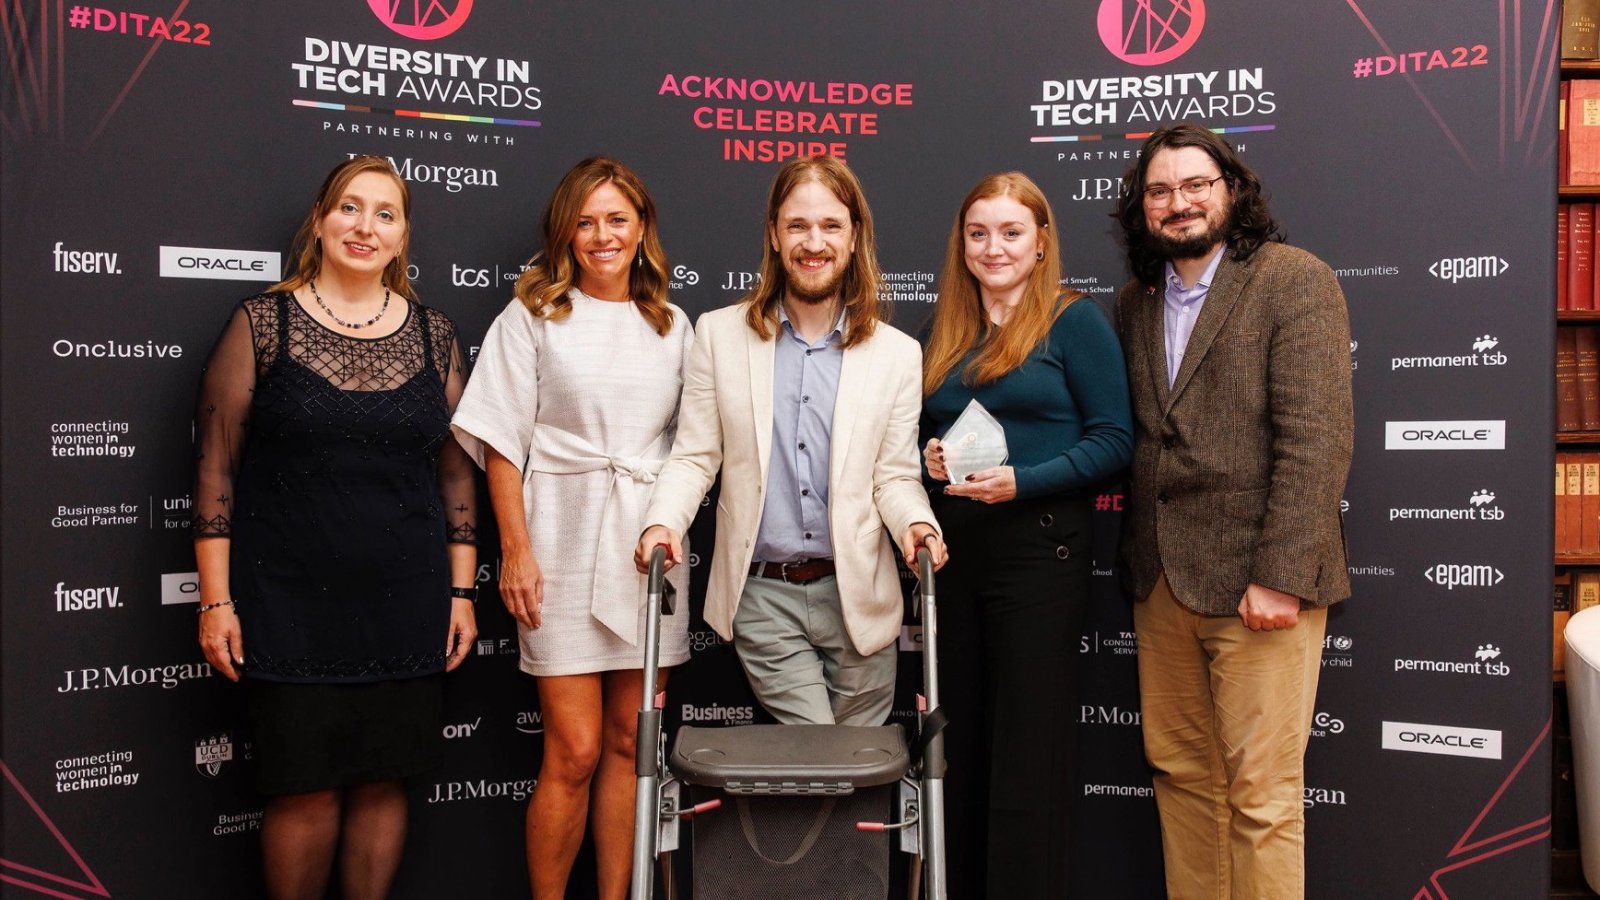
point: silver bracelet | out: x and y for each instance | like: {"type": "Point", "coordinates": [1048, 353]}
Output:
{"type": "Point", "coordinates": [217, 605]}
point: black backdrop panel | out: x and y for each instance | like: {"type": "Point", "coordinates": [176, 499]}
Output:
{"type": "Point", "coordinates": [157, 160]}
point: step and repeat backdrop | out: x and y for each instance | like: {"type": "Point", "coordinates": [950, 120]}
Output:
{"type": "Point", "coordinates": [157, 157]}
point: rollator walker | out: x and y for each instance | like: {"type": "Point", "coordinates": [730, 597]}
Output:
{"type": "Point", "coordinates": [790, 811]}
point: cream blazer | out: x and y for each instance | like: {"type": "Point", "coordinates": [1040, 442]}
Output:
{"type": "Point", "coordinates": [875, 490]}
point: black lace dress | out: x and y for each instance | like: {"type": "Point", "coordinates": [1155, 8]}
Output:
{"type": "Point", "coordinates": [327, 462]}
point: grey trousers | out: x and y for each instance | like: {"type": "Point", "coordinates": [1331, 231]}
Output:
{"type": "Point", "coordinates": [792, 643]}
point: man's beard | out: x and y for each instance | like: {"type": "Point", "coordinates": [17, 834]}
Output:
{"type": "Point", "coordinates": [814, 292]}
{"type": "Point", "coordinates": [1194, 246]}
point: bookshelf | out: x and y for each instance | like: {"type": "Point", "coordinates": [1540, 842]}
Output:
{"type": "Point", "coordinates": [1567, 880]}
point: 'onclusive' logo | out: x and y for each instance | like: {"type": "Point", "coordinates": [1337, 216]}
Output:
{"type": "Point", "coordinates": [422, 20]}
{"type": "Point", "coordinates": [1466, 434]}
{"type": "Point", "coordinates": [1156, 32]}
{"type": "Point", "coordinates": [1443, 739]}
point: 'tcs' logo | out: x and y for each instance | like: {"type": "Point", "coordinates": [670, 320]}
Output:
{"type": "Point", "coordinates": [424, 20]}
{"type": "Point", "coordinates": [1158, 31]}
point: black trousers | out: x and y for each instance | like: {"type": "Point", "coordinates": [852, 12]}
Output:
{"type": "Point", "coordinates": [1012, 601]}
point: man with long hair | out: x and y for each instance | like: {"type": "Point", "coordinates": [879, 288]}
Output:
{"type": "Point", "coordinates": [808, 405]}
{"type": "Point", "coordinates": [1233, 545]}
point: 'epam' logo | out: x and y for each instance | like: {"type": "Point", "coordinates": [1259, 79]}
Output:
{"type": "Point", "coordinates": [1455, 268]}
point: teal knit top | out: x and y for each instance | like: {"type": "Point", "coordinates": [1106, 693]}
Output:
{"type": "Point", "coordinates": [1065, 410]}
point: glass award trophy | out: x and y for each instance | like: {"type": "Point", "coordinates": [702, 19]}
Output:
{"type": "Point", "coordinates": [974, 443]}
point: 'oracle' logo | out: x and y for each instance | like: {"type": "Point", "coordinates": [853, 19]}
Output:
{"type": "Point", "coordinates": [422, 20]}
{"type": "Point", "coordinates": [1149, 32]}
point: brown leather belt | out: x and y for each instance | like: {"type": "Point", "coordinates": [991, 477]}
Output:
{"type": "Point", "coordinates": [793, 572]}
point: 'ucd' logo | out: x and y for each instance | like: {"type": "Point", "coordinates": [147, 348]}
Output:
{"type": "Point", "coordinates": [1147, 32]}
{"type": "Point", "coordinates": [425, 20]}
{"type": "Point", "coordinates": [211, 753]}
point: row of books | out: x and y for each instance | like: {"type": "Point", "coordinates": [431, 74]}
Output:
{"type": "Point", "coordinates": [1578, 378]}
{"type": "Point", "coordinates": [1575, 590]}
{"type": "Point", "coordinates": [1579, 122]}
{"type": "Point", "coordinates": [1577, 273]}
{"type": "Point", "coordinates": [1580, 29]}
{"type": "Point", "coordinates": [1578, 502]}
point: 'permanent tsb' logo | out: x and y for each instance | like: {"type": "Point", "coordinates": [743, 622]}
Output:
{"type": "Point", "coordinates": [1144, 32]}
{"type": "Point", "coordinates": [422, 20]}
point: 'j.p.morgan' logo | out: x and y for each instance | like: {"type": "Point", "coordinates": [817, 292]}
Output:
{"type": "Point", "coordinates": [422, 20]}
{"type": "Point", "coordinates": [1442, 739]}
{"type": "Point", "coordinates": [1149, 32]}
{"type": "Point", "coordinates": [1466, 434]}
{"type": "Point", "coordinates": [229, 265]}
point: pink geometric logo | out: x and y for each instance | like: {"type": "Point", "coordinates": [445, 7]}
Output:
{"type": "Point", "coordinates": [1149, 32]}
{"type": "Point", "coordinates": [422, 20]}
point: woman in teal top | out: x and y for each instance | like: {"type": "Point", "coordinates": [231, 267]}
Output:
{"type": "Point", "coordinates": [1047, 366]}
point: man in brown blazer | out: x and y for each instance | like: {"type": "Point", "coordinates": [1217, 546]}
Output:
{"type": "Point", "coordinates": [1232, 547]}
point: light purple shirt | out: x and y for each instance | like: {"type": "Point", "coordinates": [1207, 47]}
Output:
{"type": "Point", "coordinates": [1182, 309]}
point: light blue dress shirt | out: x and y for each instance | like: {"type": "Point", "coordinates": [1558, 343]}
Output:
{"type": "Point", "coordinates": [805, 383]}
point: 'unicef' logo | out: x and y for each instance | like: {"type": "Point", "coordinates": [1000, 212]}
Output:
{"type": "Point", "coordinates": [1147, 32]}
{"type": "Point", "coordinates": [423, 20]}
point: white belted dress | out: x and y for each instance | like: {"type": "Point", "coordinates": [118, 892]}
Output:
{"type": "Point", "coordinates": [586, 408]}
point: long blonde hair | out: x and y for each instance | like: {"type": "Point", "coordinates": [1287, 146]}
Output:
{"type": "Point", "coordinates": [551, 272]}
{"type": "Point", "coordinates": [960, 323]}
{"type": "Point", "coordinates": [307, 250]}
{"type": "Point", "coordinates": [858, 295]}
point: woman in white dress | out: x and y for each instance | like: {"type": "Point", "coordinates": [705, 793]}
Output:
{"type": "Point", "coordinates": [571, 411]}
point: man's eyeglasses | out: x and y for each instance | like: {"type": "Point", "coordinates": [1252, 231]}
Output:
{"type": "Point", "coordinates": [1194, 191]}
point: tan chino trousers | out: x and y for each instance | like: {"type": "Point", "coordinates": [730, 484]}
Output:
{"type": "Point", "coordinates": [1226, 714]}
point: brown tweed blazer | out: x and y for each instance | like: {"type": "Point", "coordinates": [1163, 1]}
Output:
{"type": "Point", "coordinates": [1239, 469]}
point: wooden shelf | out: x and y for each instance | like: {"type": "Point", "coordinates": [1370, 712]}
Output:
{"type": "Point", "coordinates": [1578, 559]}
{"type": "Point", "coordinates": [1578, 437]}
{"type": "Point", "coordinates": [1578, 315]}
{"type": "Point", "coordinates": [1581, 67]}
{"type": "Point", "coordinates": [1578, 191]}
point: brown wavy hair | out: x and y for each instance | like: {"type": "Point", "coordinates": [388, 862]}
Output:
{"type": "Point", "coordinates": [552, 271]}
{"type": "Point", "coordinates": [307, 250]}
{"type": "Point", "coordinates": [1250, 222]}
{"type": "Point", "coordinates": [859, 292]}
{"type": "Point", "coordinates": [960, 323]}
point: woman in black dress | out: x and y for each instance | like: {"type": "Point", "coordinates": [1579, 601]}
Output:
{"type": "Point", "coordinates": [334, 530]}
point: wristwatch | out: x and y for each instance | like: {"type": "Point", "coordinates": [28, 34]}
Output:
{"type": "Point", "coordinates": [465, 593]}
